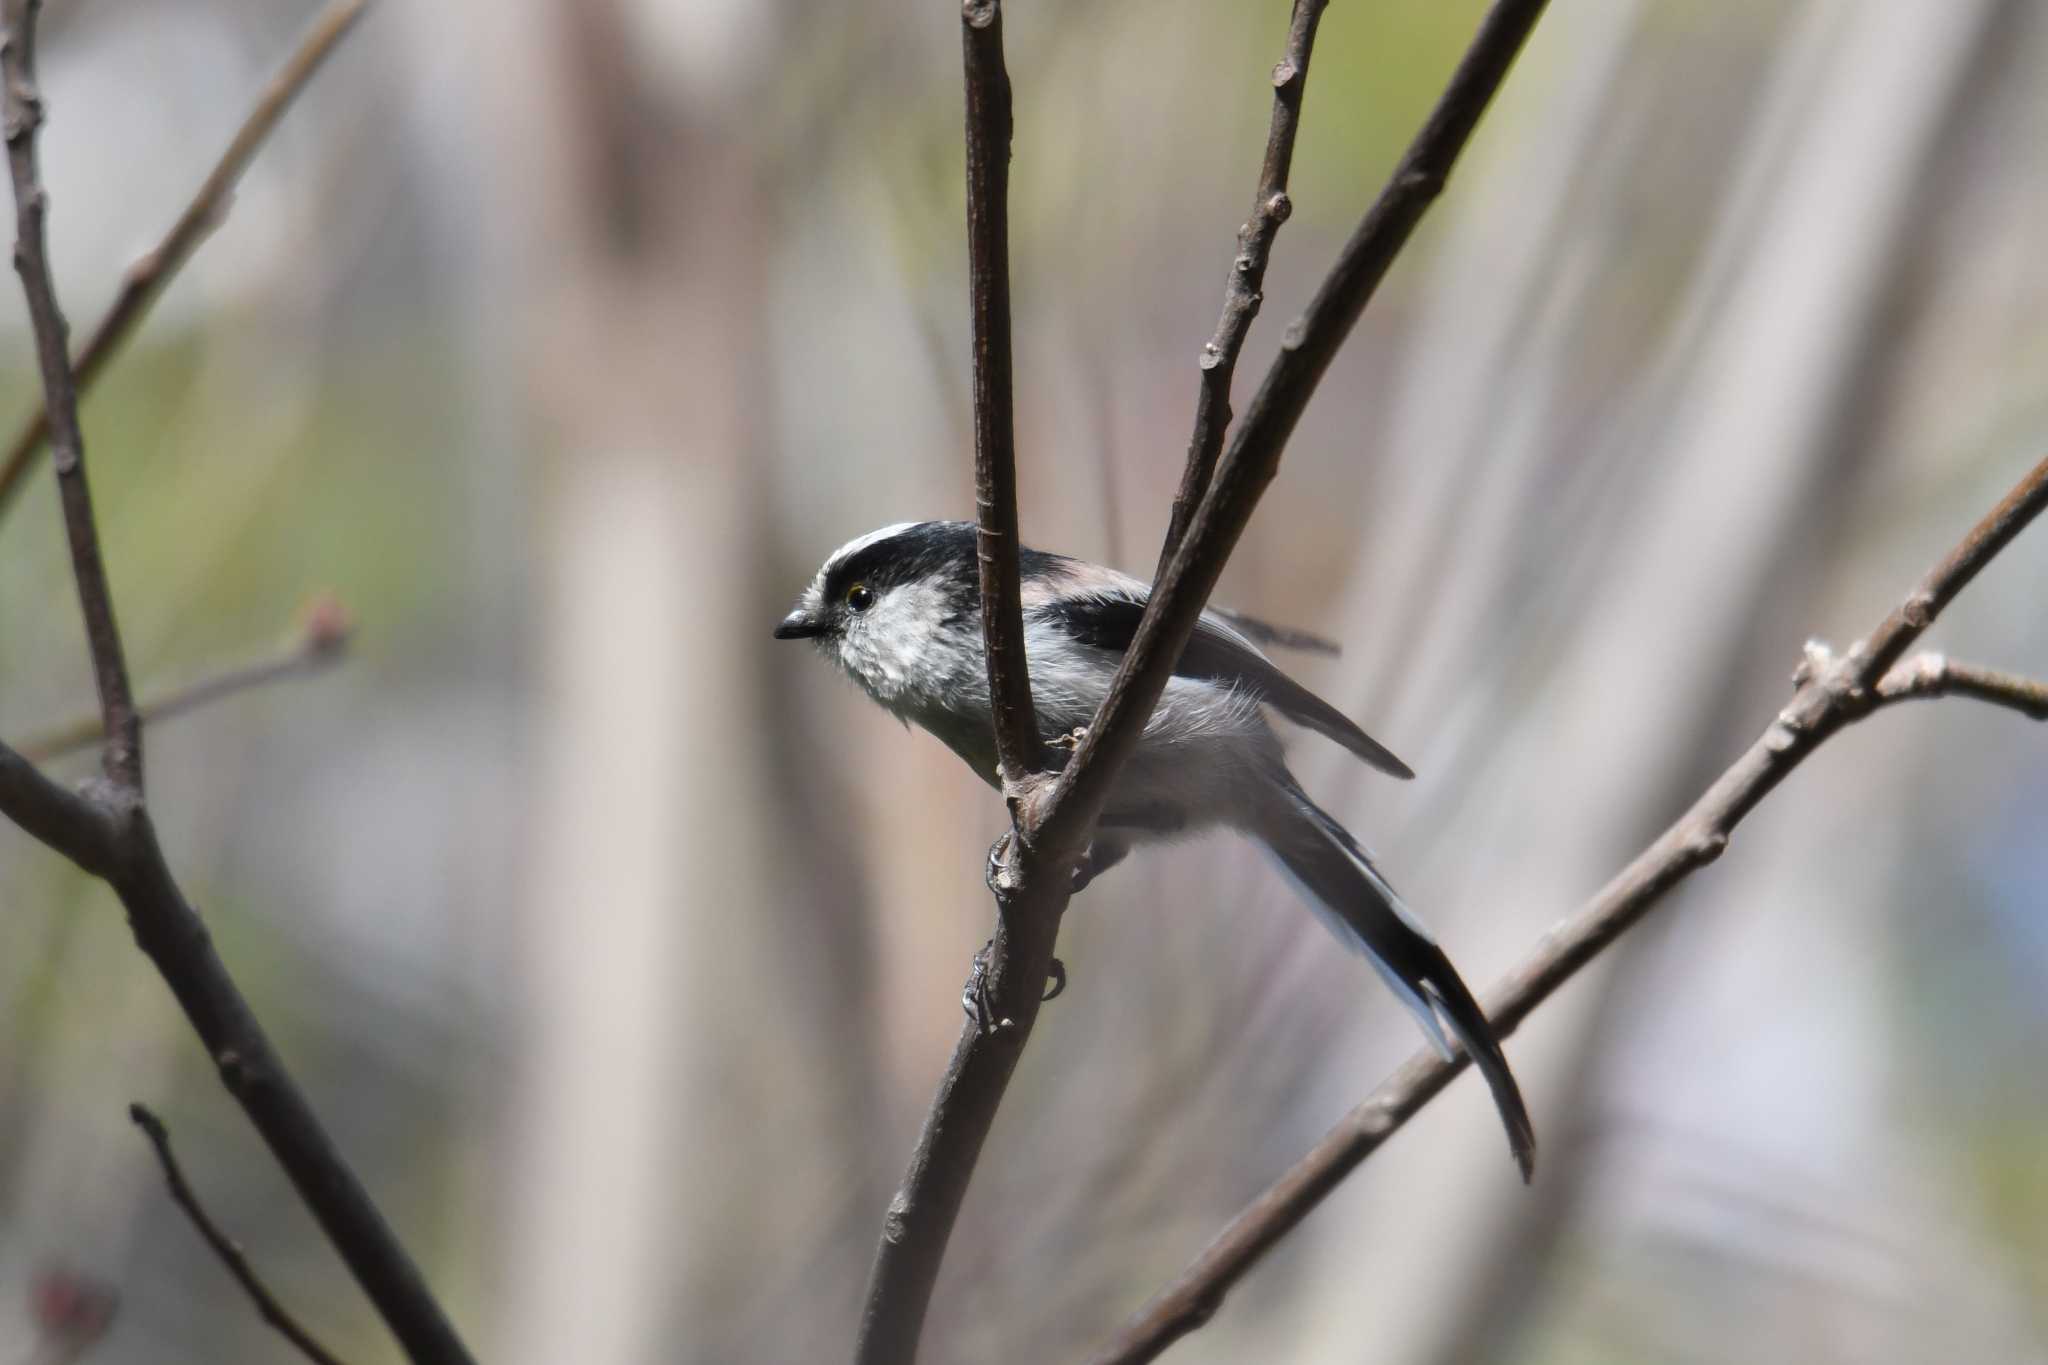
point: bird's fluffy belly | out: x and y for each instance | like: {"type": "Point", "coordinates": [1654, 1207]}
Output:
{"type": "Point", "coordinates": [1202, 754]}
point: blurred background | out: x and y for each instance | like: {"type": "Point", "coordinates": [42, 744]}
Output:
{"type": "Point", "coordinates": [621, 946]}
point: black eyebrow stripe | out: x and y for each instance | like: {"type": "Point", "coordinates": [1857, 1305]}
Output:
{"type": "Point", "coordinates": [926, 549]}
{"type": "Point", "coordinates": [942, 550]}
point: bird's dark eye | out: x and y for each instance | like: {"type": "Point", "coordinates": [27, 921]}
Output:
{"type": "Point", "coordinates": [860, 597]}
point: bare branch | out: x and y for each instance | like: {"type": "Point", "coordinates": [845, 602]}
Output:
{"type": "Point", "coordinates": [53, 814]}
{"type": "Point", "coordinates": [147, 279]}
{"type": "Point", "coordinates": [323, 642]}
{"type": "Point", "coordinates": [1053, 822]}
{"type": "Point", "coordinates": [1930, 675]}
{"type": "Point", "coordinates": [23, 117]}
{"type": "Point", "coordinates": [171, 932]}
{"type": "Point", "coordinates": [223, 1245]}
{"type": "Point", "coordinates": [1242, 287]}
{"type": "Point", "coordinates": [1832, 693]}
{"type": "Point", "coordinates": [995, 438]}
{"type": "Point", "coordinates": [166, 926]}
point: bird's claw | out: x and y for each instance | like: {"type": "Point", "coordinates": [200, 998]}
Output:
{"type": "Point", "coordinates": [997, 853]}
{"type": "Point", "coordinates": [977, 1001]}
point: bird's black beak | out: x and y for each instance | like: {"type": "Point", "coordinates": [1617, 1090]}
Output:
{"type": "Point", "coordinates": [799, 625]}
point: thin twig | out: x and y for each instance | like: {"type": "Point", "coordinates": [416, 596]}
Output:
{"type": "Point", "coordinates": [223, 1245]}
{"type": "Point", "coordinates": [323, 642]}
{"type": "Point", "coordinates": [1929, 675]}
{"type": "Point", "coordinates": [1832, 692]}
{"type": "Point", "coordinates": [168, 929]}
{"type": "Point", "coordinates": [148, 277]}
{"type": "Point", "coordinates": [23, 118]}
{"type": "Point", "coordinates": [1053, 821]}
{"type": "Point", "coordinates": [130, 858]}
{"type": "Point", "coordinates": [1242, 287]}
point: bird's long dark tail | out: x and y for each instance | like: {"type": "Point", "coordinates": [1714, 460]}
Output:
{"type": "Point", "coordinates": [1340, 883]}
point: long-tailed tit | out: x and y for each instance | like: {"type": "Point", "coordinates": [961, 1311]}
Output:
{"type": "Point", "coordinates": [898, 609]}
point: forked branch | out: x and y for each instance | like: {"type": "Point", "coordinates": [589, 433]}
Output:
{"type": "Point", "coordinates": [152, 273]}
{"type": "Point", "coordinates": [1253, 455]}
{"type": "Point", "coordinates": [1833, 691]}
{"type": "Point", "coordinates": [1929, 676]}
{"type": "Point", "coordinates": [108, 830]}
{"type": "Point", "coordinates": [224, 1246]}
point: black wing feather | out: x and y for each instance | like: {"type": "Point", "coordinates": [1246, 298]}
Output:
{"type": "Point", "coordinates": [1215, 652]}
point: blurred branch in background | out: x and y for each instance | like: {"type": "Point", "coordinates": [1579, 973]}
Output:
{"type": "Point", "coordinates": [323, 638]}
{"type": "Point", "coordinates": [1833, 692]}
{"type": "Point", "coordinates": [1053, 821]}
{"type": "Point", "coordinates": [223, 1245]}
{"type": "Point", "coordinates": [153, 272]}
{"type": "Point", "coordinates": [113, 837]}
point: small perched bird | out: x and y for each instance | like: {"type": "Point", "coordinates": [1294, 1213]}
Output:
{"type": "Point", "coordinates": [899, 610]}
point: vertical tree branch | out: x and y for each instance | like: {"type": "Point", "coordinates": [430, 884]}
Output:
{"type": "Point", "coordinates": [995, 435]}
{"type": "Point", "coordinates": [1832, 692]}
{"type": "Point", "coordinates": [129, 857]}
{"type": "Point", "coordinates": [23, 117]}
{"type": "Point", "coordinates": [147, 279]}
{"type": "Point", "coordinates": [1242, 288]}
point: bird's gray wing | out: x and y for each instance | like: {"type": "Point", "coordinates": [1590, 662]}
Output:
{"type": "Point", "coordinates": [1108, 619]}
